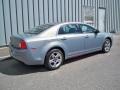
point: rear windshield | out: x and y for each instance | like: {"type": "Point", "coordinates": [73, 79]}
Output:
{"type": "Point", "coordinates": [39, 29]}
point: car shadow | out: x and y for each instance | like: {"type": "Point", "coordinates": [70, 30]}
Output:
{"type": "Point", "coordinates": [14, 67]}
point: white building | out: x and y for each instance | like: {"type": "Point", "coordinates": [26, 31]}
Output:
{"type": "Point", "coordinates": [16, 16]}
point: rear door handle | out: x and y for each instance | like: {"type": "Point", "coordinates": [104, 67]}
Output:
{"type": "Point", "coordinates": [86, 36]}
{"type": "Point", "coordinates": [64, 38]}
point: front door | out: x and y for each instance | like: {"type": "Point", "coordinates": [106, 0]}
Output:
{"type": "Point", "coordinates": [92, 40]}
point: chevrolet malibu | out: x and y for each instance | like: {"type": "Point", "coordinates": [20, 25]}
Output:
{"type": "Point", "coordinates": [51, 44]}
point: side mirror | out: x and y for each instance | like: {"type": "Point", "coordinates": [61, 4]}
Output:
{"type": "Point", "coordinates": [96, 31]}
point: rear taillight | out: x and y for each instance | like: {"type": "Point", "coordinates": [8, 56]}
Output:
{"type": "Point", "coordinates": [22, 44]}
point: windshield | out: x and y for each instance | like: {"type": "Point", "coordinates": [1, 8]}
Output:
{"type": "Point", "coordinates": [39, 29]}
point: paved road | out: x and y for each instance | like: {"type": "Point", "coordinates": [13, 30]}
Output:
{"type": "Point", "coordinates": [95, 71]}
{"type": "Point", "coordinates": [4, 53]}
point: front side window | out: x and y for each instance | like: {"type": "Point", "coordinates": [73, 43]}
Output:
{"type": "Point", "coordinates": [87, 29]}
{"type": "Point", "coordinates": [69, 29]}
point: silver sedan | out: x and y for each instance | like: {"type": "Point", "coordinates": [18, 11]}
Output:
{"type": "Point", "coordinates": [51, 44]}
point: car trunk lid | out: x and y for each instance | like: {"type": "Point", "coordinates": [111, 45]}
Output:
{"type": "Point", "coordinates": [15, 40]}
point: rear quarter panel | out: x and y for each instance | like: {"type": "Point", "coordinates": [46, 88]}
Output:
{"type": "Point", "coordinates": [40, 46]}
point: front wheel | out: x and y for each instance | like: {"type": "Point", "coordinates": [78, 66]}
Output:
{"type": "Point", "coordinates": [54, 59]}
{"type": "Point", "coordinates": [106, 46]}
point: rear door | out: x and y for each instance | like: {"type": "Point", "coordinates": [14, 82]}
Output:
{"type": "Point", "coordinates": [72, 38]}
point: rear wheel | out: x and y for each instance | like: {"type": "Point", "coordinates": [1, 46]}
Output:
{"type": "Point", "coordinates": [106, 46]}
{"type": "Point", "coordinates": [54, 59]}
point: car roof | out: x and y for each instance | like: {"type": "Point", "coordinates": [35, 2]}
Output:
{"type": "Point", "coordinates": [63, 23]}
{"type": "Point", "coordinates": [56, 23]}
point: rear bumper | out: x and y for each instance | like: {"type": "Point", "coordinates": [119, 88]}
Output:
{"type": "Point", "coordinates": [25, 56]}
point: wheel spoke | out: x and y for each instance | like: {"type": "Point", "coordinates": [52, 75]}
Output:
{"type": "Point", "coordinates": [58, 55]}
{"type": "Point", "coordinates": [51, 61]}
{"type": "Point", "coordinates": [53, 56]}
{"type": "Point", "coordinates": [58, 60]}
{"type": "Point", "coordinates": [54, 65]}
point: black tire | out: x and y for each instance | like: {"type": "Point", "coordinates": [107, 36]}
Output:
{"type": "Point", "coordinates": [107, 41]}
{"type": "Point", "coordinates": [47, 63]}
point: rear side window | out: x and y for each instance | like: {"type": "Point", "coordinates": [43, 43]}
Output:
{"type": "Point", "coordinates": [69, 29]}
{"type": "Point", "coordinates": [39, 29]}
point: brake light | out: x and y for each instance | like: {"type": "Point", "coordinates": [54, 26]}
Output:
{"type": "Point", "coordinates": [22, 44]}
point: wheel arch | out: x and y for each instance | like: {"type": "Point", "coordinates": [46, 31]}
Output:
{"type": "Point", "coordinates": [57, 47]}
{"type": "Point", "coordinates": [109, 39]}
